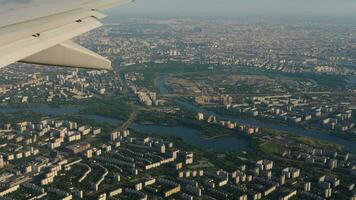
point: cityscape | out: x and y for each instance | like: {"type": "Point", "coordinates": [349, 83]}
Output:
{"type": "Point", "coordinates": [194, 108]}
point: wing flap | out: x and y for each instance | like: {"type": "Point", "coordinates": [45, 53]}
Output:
{"type": "Point", "coordinates": [98, 15]}
{"type": "Point", "coordinates": [22, 30]}
{"type": "Point", "coordinates": [38, 42]}
{"type": "Point", "coordinates": [69, 54]}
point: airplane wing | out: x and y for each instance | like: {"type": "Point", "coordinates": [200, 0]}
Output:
{"type": "Point", "coordinates": [47, 40]}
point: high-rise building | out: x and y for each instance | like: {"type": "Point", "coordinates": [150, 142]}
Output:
{"type": "Point", "coordinates": [200, 116]}
{"type": "Point", "coordinates": [2, 164]}
{"type": "Point", "coordinates": [333, 163]}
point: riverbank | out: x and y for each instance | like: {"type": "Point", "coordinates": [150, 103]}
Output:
{"type": "Point", "coordinates": [346, 136]}
{"type": "Point", "coordinates": [188, 135]}
{"type": "Point", "coordinates": [348, 145]}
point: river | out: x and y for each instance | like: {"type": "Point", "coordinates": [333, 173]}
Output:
{"type": "Point", "coordinates": [349, 145]}
{"type": "Point", "coordinates": [188, 135]}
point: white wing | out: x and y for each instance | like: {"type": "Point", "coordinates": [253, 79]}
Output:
{"type": "Point", "coordinates": [46, 40]}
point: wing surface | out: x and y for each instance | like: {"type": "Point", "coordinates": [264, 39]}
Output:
{"type": "Point", "coordinates": [46, 40]}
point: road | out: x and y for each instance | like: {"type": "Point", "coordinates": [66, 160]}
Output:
{"type": "Point", "coordinates": [132, 103]}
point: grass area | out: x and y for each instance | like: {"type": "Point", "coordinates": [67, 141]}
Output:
{"type": "Point", "coordinates": [152, 71]}
{"type": "Point", "coordinates": [269, 148]}
{"type": "Point", "coordinates": [72, 103]}
{"type": "Point", "coordinates": [317, 143]}
{"type": "Point", "coordinates": [118, 107]}
{"type": "Point", "coordinates": [20, 117]}
{"type": "Point", "coordinates": [159, 118]}
{"type": "Point", "coordinates": [227, 160]}
{"type": "Point", "coordinates": [211, 131]}
{"type": "Point", "coordinates": [169, 68]}
{"type": "Point", "coordinates": [323, 80]}
{"type": "Point", "coordinates": [201, 164]}
{"type": "Point", "coordinates": [303, 139]}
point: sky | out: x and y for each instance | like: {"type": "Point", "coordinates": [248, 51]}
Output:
{"type": "Point", "coordinates": [328, 8]}
{"type": "Point", "coordinates": [242, 7]}
{"type": "Point", "coordinates": [14, 11]}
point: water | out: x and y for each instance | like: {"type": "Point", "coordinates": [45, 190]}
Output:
{"type": "Point", "coordinates": [44, 109]}
{"type": "Point", "coordinates": [191, 136]}
{"type": "Point", "coordinates": [188, 135]}
{"type": "Point", "coordinates": [349, 145]}
{"type": "Point", "coordinates": [352, 80]}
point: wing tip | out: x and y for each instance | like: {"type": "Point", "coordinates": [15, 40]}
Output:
{"type": "Point", "coordinates": [69, 54]}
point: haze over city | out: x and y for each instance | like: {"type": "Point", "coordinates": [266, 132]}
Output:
{"type": "Point", "coordinates": [218, 7]}
{"type": "Point", "coordinates": [243, 7]}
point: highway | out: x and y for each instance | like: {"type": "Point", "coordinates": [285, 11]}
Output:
{"type": "Point", "coordinates": [133, 105]}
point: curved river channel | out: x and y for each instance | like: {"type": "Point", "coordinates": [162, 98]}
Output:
{"type": "Point", "coordinates": [190, 135]}
{"type": "Point", "coordinates": [349, 145]}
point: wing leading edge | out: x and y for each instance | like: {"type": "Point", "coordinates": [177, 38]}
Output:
{"type": "Point", "coordinates": [46, 40]}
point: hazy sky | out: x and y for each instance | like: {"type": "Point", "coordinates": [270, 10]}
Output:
{"type": "Point", "coordinates": [241, 7]}
{"type": "Point", "coordinates": [196, 7]}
